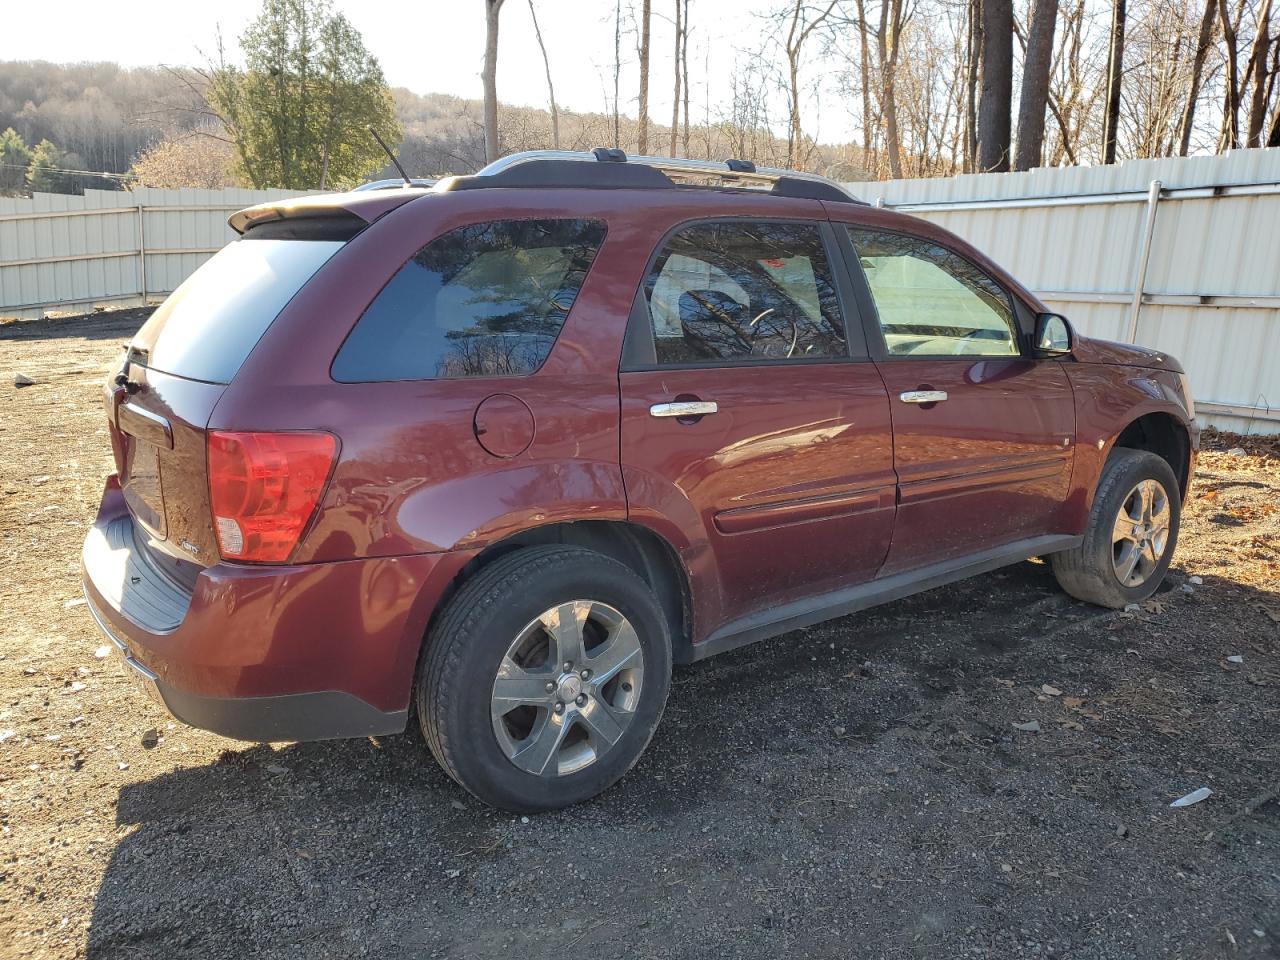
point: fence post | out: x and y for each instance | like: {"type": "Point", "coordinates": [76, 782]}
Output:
{"type": "Point", "coordinates": [1144, 257]}
{"type": "Point", "coordinates": [142, 252]}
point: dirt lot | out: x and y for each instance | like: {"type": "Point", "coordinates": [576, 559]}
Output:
{"type": "Point", "coordinates": [854, 790]}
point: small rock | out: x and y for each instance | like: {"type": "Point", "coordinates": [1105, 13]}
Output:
{"type": "Point", "coordinates": [1131, 608]}
{"type": "Point", "coordinates": [1196, 580]}
{"type": "Point", "coordinates": [1187, 588]}
{"type": "Point", "coordinates": [1122, 831]}
{"type": "Point", "coordinates": [1006, 868]}
{"type": "Point", "coordinates": [1050, 690]}
{"type": "Point", "coordinates": [457, 804]}
{"type": "Point", "coordinates": [6, 735]}
{"type": "Point", "coordinates": [76, 721]}
{"type": "Point", "coordinates": [275, 768]}
{"type": "Point", "coordinates": [453, 874]}
{"type": "Point", "coordinates": [1237, 452]}
{"type": "Point", "coordinates": [150, 739]}
{"type": "Point", "coordinates": [22, 380]}
{"type": "Point", "coordinates": [29, 671]}
{"type": "Point", "coordinates": [524, 819]}
{"type": "Point", "coordinates": [839, 731]}
{"type": "Point", "coordinates": [122, 765]}
{"type": "Point", "coordinates": [1235, 658]}
{"type": "Point", "coordinates": [102, 652]}
{"type": "Point", "coordinates": [76, 687]}
{"type": "Point", "coordinates": [1031, 726]}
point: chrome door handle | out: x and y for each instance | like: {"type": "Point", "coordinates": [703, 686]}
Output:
{"type": "Point", "coordinates": [923, 396]}
{"type": "Point", "coordinates": [684, 408]}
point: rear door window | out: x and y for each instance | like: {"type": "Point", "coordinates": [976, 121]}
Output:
{"type": "Point", "coordinates": [741, 292]}
{"type": "Point", "coordinates": [210, 324]}
{"type": "Point", "coordinates": [484, 300]}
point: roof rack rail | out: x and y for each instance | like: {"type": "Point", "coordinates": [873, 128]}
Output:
{"type": "Point", "coordinates": [608, 167]}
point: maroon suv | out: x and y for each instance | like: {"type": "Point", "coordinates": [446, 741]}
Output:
{"type": "Point", "coordinates": [505, 449]}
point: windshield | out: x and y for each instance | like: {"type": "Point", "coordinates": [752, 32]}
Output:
{"type": "Point", "coordinates": [209, 325]}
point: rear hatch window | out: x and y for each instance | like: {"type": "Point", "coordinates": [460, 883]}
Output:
{"type": "Point", "coordinates": [211, 323]}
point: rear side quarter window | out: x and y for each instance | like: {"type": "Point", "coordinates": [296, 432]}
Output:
{"type": "Point", "coordinates": [488, 299]}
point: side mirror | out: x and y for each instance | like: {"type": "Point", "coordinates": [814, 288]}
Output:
{"type": "Point", "coordinates": [1053, 335]}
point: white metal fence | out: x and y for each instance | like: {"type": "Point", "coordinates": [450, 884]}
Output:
{"type": "Point", "coordinates": [1191, 266]}
{"type": "Point", "coordinates": [59, 251]}
{"type": "Point", "coordinates": [1179, 254]}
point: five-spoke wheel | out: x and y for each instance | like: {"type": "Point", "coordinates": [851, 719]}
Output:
{"type": "Point", "coordinates": [567, 688]}
{"type": "Point", "coordinates": [545, 677]}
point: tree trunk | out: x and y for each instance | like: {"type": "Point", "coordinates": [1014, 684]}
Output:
{"type": "Point", "coordinates": [489, 77]}
{"type": "Point", "coordinates": [642, 138]}
{"type": "Point", "coordinates": [995, 108]}
{"type": "Point", "coordinates": [1230, 138]}
{"type": "Point", "coordinates": [617, 72]}
{"type": "Point", "coordinates": [684, 73]}
{"type": "Point", "coordinates": [551, 90]}
{"type": "Point", "coordinates": [1115, 73]}
{"type": "Point", "coordinates": [864, 54]}
{"type": "Point", "coordinates": [1197, 70]}
{"type": "Point", "coordinates": [1258, 65]}
{"type": "Point", "coordinates": [971, 86]}
{"type": "Point", "coordinates": [887, 41]}
{"type": "Point", "coordinates": [1035, 84]}
{"type": "Point", "coordinates": [675, 100]}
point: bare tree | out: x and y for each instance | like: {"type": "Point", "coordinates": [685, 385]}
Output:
{"type": "Point", "coordinates": [551, 90]}
{"type": "Point", "coordinates": [995, 108]}
{"type": "Point", "coordinates": [973, 50]}
{"type": "Point", "coordinates": [617, 73]}
{"type": "Point", "coordinates": [684, 69]}
{"type": "Point", "coordinates": [489, 78]}
{"type": "Point", "coordinates": [1035, 84]}
{"type": "Point", "coordinates": [1115, 74]}
{"type": "Point", "coordinates": [1230, 136]}
{"type": "Point", "coordinates": [675, 100]}
{"type": "Point", "coordinates": [1207, 22]}
{"type": "Point", "coordinates": [642, 140]}
{"type": "Point", "coordinates": [801, 22]}
{"type": "Point", "coordinates": [1258, 71]}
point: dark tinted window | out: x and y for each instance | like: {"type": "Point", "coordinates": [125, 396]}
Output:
{"type": "Point", "coordinates": [207, 327]}
{"type": "Point", "coordinates": [483, 300]}
{"type": "Point", "coordinates": [735, 291]}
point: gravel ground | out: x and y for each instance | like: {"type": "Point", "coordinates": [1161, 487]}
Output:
{"type": "Point", "coordinates": [858, 789]}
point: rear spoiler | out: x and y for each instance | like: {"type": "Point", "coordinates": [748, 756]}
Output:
{"type": "Point", "coordinates": [328, 213]}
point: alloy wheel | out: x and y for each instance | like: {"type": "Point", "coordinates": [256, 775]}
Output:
{"type": "Point", "coordinates": [1141, 533]}
{"type": "Point", "coordinates": [567, 688]}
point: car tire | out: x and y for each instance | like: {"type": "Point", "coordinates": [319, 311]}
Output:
{"type": "Point", "coordinates": [1120, 562]}
{"type": "Point", "coordinates": [497, 636]}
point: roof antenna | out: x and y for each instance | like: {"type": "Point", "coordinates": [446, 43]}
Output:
{"type": "Point", "coordinates": [383, 144]}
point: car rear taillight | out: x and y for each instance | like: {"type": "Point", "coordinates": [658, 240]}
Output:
{"type": "Point", "coordinates": [263, 490]}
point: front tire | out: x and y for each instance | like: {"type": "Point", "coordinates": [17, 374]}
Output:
{"type": "Point", "coordinates": [1131, 534]}
{"type": "Point", "coordinates": [545, 678]}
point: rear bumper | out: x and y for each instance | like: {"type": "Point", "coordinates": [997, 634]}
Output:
{"type": "Point", "coordinates": [265, 653]}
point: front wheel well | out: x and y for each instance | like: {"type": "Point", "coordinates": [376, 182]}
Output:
{"type": "Point", "coordinates": [1166, 437]}
{"type": "Point", "coordinates": [648, 555]}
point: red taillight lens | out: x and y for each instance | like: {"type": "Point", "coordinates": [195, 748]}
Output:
{"type": "Point", "coordinates": [263, 489]}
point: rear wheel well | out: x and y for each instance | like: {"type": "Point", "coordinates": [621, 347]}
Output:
{"type": "Point", "coordinates": [1163, 435]}
{"type": "Point", "coordinates": [640, 549]}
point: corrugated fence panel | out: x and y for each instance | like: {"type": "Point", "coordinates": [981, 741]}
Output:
{"type": "Point", "coordinates": [61, 252]}
{"type": "Point", "coordinates": [1076, 237]}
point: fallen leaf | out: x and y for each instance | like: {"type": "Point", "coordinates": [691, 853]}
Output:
{"type": "Point", "coordinates": [1050, 690]}
{"type": "Point", "coordinates": [1073, 703]}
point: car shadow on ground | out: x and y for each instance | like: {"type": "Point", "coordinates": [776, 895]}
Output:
{"type": "Point", "coordinates": [743, 808]}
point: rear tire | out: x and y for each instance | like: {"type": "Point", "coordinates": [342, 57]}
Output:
{"type": "Point", "coordinates": [545, 678]}
{"type": "Point", "coordinates": [1131, 534]}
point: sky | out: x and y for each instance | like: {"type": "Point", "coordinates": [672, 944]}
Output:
{"type": "Point", "coordinates": [436, 46]}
